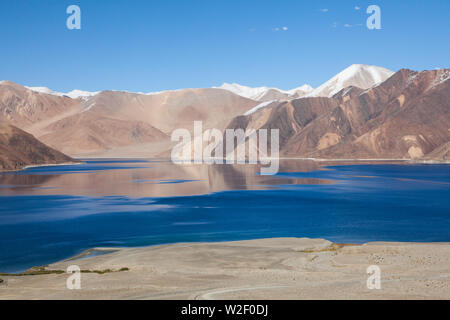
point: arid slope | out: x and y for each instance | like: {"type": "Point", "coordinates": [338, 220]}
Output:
{"type": "Point", "coordinates": [405, 117]}
{"type": "Point", "coordinates": [19, 149]}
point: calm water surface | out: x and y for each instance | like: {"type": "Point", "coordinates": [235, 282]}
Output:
{"type": "Point", "coordinates": [51, 213]}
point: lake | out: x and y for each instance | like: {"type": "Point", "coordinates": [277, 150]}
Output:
{"type": "Point", "coordinates": [52, 213]}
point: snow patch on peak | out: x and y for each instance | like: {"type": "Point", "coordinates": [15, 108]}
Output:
{"type": "Point", "coordinates": [443, 75]}
{"type": "Point", "coordinates": [259, 106]}
{"type": "Point", "coordinates": [89, 107]}
{"type": "Point", "coordinates": [357, 75]}
{"type": "Point", "coordinates": [412, 77]}
{"type": "Point", "coordinates": [44, 90]}
{"type": "Point", "coordinates": [347, 91]}
{"type": "Point", "coordinates": [304, 88]}
{"type": "Point", "coordinates": [244, 91]}
{"type": "Point", "coordinates": [74, 94]}
{"type": "Point", "coordinates": [258, 93]}
{"type": "Point", "coordinates": [160, 92]}
{"type": "Point", "coordinates": [300, 91]}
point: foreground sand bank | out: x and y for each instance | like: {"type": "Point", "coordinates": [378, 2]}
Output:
{"type": "Point", "coordinates": [285, 268]}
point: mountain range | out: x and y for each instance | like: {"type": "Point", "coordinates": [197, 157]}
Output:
{"type": "Point", "coordinates": [405, 117]}
{"type": "Point", "coordinates": [362, 112]}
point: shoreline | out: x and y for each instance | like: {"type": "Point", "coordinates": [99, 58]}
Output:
{"type": "Point", "coordinates": [99, 251]}
{"type": "Point", "coordinates": [43, 165]}
{"type": "Point", "coordinates": [350, 161]}
{"type": "Point", "coordinates": [51, 165]}
{"type": "Point", "coordinates": [357, 160]}
{"type": "Point", "coordinates": [273, 268]}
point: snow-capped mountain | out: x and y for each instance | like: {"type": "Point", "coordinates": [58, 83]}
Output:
{"type": "Point", "coordinates": [405, 117]}
{"type": "Point", "coordinates": [74, 94]}
{"type": "Point", "coordinates": [352, 124]}
{"type": "Point", "coordinates": [266, 93]}
{"type": "Point", "coordinates": [45, 90]}
{"type": "Point", "coordinates": [244, 91]}
{"type": "Point", "coordinates": [303, 88]}
{"type": "Point", "coordinates": [357, 75]}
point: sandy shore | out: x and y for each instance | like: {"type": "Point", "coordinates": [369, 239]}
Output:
{"type": "Point", "coordinates": [258, 269]}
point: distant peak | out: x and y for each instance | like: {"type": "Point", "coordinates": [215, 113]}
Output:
{"type": "Point", "coordinates": [360, 67]}
{"type": "Point", "coordinates": [359, 75]}
{"type": "Point", "coordinates": [304, 88]}
{"type": "Point", "coordinates": [74, 94]}
{"type": "Point", "coordinates": [7, 82]}
{"type": "Point", "coordinates": [257, 93]}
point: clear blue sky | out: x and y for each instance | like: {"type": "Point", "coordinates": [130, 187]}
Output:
{"type": "Point", "coordinates": [151, 45]}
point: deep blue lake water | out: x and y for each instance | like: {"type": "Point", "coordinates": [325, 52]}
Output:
{"type": "Point", "coordinates": [51, 213]}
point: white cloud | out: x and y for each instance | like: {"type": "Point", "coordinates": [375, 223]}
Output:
{"type": "Point", "coordinates": [276, 29]}
{"type": "Point", "coordinates": [324, 10]}
{"type": "Point", "coordinates": [347, 25]}
{"type": "Point", "coordinates": [357, 8]}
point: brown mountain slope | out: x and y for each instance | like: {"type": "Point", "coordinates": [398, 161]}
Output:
{"type": "Point", "coordinates": [347, 94]}
{"type": "Point", "coordinates": [273, 94]}
{"type": "Point", "coordinates": [113, 120]}
{"type": "Point", "coordinates": [23, 107]}
{"type": "Point", "coordinates": [405, 117]}
{"type": "Point", "coordinates": [19, 149]}
{"type": "Point", "coordinates": [290, 118]}
{"type": "Point", "coordinates": [86, 132]}
{"type": "Point", "coordinates": [441, 153]}
{"type": "Point", "coordinates": [172, 109]}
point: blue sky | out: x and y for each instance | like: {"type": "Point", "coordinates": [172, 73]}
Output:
{"type": "Point", "coordinates": [152, 45]}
